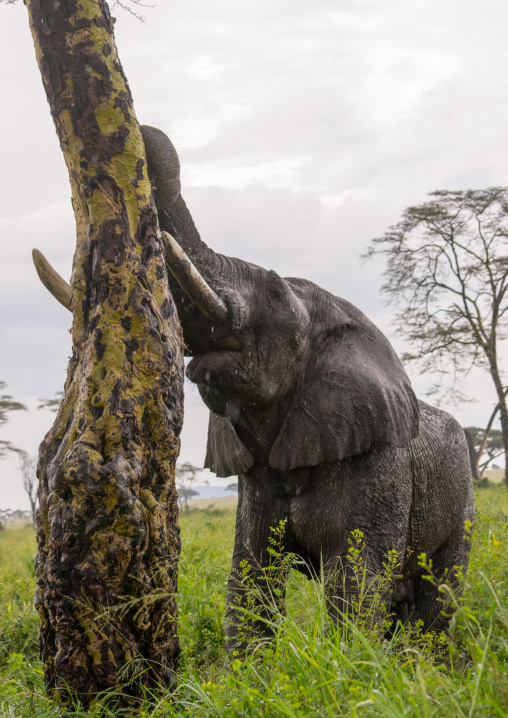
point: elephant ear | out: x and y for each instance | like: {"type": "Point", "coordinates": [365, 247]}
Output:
{"type": "Point", "coordinates": [225, 453]}
{"type": "Point", "coordinates": [354, 392]}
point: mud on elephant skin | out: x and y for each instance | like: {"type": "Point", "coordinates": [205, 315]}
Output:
{"type": "Point", "coordinates": [312, 409]}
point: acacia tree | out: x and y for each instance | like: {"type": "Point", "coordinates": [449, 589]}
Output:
{"type": "Point", "coordinates": [447, 271]}
{"type": "Point", "coordinates": [108, 539]}
{"type": "Point", "coordinates": [489, 450]}
{"type": "Point", "coordinates": [186, 476]}
{"type": "Point", "coordinates": [52, 404]}
{"type": "Point", "coordinates": [482, 441]}
{"type": "Point", "coordinates": [27, 466]}
{"type": "Point", "coordinates": [7, 404]}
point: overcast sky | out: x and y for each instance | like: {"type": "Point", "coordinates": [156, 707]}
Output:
{"type": "Point", "coordinates": [304, 128]}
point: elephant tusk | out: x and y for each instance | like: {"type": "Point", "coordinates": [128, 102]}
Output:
{"type": "Point", "coordinates": [53, 282]}
{"type": "Point", "coordinates": [191, 281]}
{"type": "Point", "coordinates": [177, 261]}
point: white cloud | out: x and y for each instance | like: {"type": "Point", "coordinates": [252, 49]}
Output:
{"type": "Point", "coordinates": [235, 175]}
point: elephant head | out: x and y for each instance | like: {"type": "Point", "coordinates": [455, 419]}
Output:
{"type": "Point", "coordinates": [293, 375]}
{"type": "Point", "coordinates": [310, 363]}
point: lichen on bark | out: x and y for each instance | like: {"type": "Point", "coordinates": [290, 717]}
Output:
{"type": "Point", "coordinates": [108, 538]}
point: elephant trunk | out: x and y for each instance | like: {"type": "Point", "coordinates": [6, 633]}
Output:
{"type": "Point", "coordinates": [174, 217]}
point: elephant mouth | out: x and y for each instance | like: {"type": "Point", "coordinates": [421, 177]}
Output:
{"type": "Point", "coordinates": [228, 344]}
{"type": "Point", "coordinates": [204, 368]}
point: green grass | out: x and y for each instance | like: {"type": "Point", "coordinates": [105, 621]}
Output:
{"type": "Point", "coordinates": [18, 621]}
{"type": "Point", "coordinates": [311, 669]}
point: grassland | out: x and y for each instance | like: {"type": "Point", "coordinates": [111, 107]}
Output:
{"type": "Point", "coordinates": [311, 669]}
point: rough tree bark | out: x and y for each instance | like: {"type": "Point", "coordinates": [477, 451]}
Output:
{"type": "Point", "coordinates": [108, 538]}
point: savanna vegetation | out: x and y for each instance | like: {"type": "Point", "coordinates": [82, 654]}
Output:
{"type": "Point", "coordinates": [311, 669]}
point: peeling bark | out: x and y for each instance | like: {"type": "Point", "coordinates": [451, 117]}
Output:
{"type": "Point", "coordinates": [108, 536]}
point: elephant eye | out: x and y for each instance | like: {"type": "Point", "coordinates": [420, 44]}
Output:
{"type": "Point", "coordinates": [273, 295]}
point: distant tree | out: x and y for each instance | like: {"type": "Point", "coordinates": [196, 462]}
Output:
{"type": "Point", "coordinates": [491, 450]}
{"type": "Point", "coordinates": [477, 446]}
{"type": "Point", "coordinates": [8, 515]}
{"type": "Point", "coordinates": [52, 404]}
{"type": "Point", "coordinates": [233, 488]}
{"type": "Point", "coordinates": [447, 271]}
{"type": "Point", "coordinates": [473, 456]}
{"type": "Point", "coordinates": [7, 404]}
{"type": "Point", "coordinates": [184, 495]}
{"type": "Point", "coordinates": [28, 468]}
{"type": "Point", "coordinates": [186, 475]}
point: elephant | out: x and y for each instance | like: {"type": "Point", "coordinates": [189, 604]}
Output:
{"type": "Point", "coordinates": [313, 411]}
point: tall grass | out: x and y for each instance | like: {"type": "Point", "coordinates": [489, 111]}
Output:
{"type": "Point", "coordinates": [310, 669]}
{"type": "Point", "coordinates": [18, 621]}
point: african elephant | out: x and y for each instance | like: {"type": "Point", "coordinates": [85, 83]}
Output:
{"type": "Point", "coordinates": [312, 409]}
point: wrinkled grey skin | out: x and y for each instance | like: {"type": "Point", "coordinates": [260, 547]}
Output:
{"type": "Point", "coordinates": [313, 411]}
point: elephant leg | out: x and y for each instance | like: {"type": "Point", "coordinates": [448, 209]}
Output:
{"type": "Point", "coordinates": [433, 607]}
{"type": "Point", "coordinates": [369, 609]}
{"type": "Point", "coordinates": [256, 587]}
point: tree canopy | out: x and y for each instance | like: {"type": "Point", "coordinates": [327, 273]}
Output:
{"type": "Point", "coordinates": [447, 272]}
{"type": "Point", "coordinates": [7, 404]}
{"type": "Point", "coordinates": [186, 475]}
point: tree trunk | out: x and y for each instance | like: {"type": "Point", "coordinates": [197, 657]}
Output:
{"type": "Point", "coordinates": [473, 455]}
{"type": "Point", "coordinates": [503, 411]}
{"type": "Point", "coordinates": [33, 509]}
{"type": "Point", "coordinates": [486, 435]}
{"type": "Point", "coordinates": [108, 537]}
{"type": "Point", "coordinates": [504, 427]}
